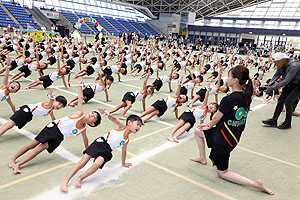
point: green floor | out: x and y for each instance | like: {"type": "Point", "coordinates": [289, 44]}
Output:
{"type": "Point", "coordinates": [165, 172]}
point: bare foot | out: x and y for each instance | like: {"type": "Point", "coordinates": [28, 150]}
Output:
{"type": "Point", "coordinates": [122, 118]}
{"type": "Point", "coordinates": [171, 139]}
{"type": "Point", "coordinates": [199, 160]}
{"type": "Point", "coordinates": [26, 88]}
{"type": "Point", "coordinates": [78, 182]}
{"type": "Point", "coordinates": [64, 187]}
{"type": "Point", "coordinates": [11, 163]}
{"type": "Point", "coordinates": [175, 139]}
{"type": "Point", "coordinates": [17, 169]}
{"type": "Point", "coordinates": [263, 188]}
{"type": "Point", "coordinates": [71, 104]}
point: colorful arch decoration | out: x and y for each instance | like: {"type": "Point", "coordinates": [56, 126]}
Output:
{"type": "Point", "coordinates": [78, 24]}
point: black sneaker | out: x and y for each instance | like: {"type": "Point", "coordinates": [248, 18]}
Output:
{"type": "Point", "coordinates": [284, 126]}
{"type": "Point", "coordinates": [270, 122]}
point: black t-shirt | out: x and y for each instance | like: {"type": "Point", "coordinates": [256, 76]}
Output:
{"type": "Point", "coordinates": [232, 124]}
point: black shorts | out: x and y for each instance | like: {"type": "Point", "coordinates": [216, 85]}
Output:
{"type": "Point", "coordinates": [124, 66]}
{"type": "Point", "coordinates": [183, 90]}
{"type": "Point", "coordinates": [89, 70]}
{"type": "Point", "coordinates": [161, 106]}
{"type": "Point", "coordinates": [190, 78]}
{"type": "Point", "coordinates": [22, 116]}
{"type": "Point", "coordinates": [52, 60]}
{"type": "Point", "coordinates": [129, 96]}
{"type": "Point", "coordinates": [25, 70]}
{"type": "Point", "coordinates": [71, 64]}
{"type": "Point", "coordinates": [139, 67]}
{"type": "Point", "coordinates": [99, 148]}
{"type": "Point", "coordinates": [107, 71]}
{"type": "Point", "coordinates": [88, 93]}
{"type": "Point", "coordinates": [188, 117]}
{"type": "Point", "coordinates": [178, 66]}
{"type": "Point", "coordinates": [219, 156]}
{"type": "Point", "coordinates": [157, 84]}
{"type": "Point", "coordinates": [149, 69]}
{"type": "Point", "coordinates": [46, 81]}
{"type": "Point", "coordinates": [201, 93]}
{"type": "Point", "coordinates": [207, 66]}
{"type": "Point", "coordinates": [9, 48]}
{"type": "Point", "coordinates": [52, 135]}
{"type": "Point", "coordinates": [13, 65]}
{"type": "Point", "coordinates": [215, 74]}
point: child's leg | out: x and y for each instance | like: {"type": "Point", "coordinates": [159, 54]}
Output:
{"type": "Point", "coordinates": [143, 75]}
{"type": "Point", "coordinates": [81, 73]}
{"type": "Point", "coordinates": [73, 101]}
{"type": "Point", "coordinates": [128, 106]}
{"type": "Point", "coordinates": [18, 77]}
{"type": "Point", "coordinates": [98, 162]}
{"type": "Point", "coordinates": [151, 109]}
{"type": "Point", "coordinates": [193, 101]}
{"type": "Point", "coordinates": [36, 151]}
{"type": "Point", "coordinates": [238, 179]}
{"type": "Point", "coordinates": [73, 171]}
{"type": "Point", "coordinates": [5, 127]}
{"type": "Point", "coordinates": [23, 150]}
{"type": "Point", "coordinates": [2, 70]}
{"type": "Point", "coordinates": [200, 139]}
{"type": "Point", "coordinates": [185, 127]}
{"type": "Point", "coordinates": [174, 129]}
{"type": "Point", "coordinates": [14, 76]}
{"type": "Point", "coordinates": [33, 84]}
{"type": "Point", "coordinates": [120, 105]}
{"type": "Point", "coordinates": [149, 116]}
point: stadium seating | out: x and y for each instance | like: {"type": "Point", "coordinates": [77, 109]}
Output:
{"type": "Point", "coordinates": [139, 27]}
{"type": "Point", "coordinates": [129, 27]}
{"type": "Point", "coordinates": [5, 19]}
{"type": "Point", "coordinates": [112, 30]}
{"type": "Point", "coordinates": [146, 26]}
{"type": "Point", "coordinates": [20, 14]}
{"type": "Point", "coordinates": [116, 24]}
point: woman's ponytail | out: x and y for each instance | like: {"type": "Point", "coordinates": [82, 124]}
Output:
{"type": "Point", "coordinates": [247, 96]}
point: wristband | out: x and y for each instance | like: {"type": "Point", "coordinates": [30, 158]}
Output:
{"type": "Point", "coordinates": [50, 97]}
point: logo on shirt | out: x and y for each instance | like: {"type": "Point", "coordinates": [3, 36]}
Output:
{"type": "Point", "coordinates": [122, 143]}
{"type": "Point", "coordinates": [74, 131]}
{"type": "Point", "coordinates": [3, 98]}
{"type": "Point", "coordinates": [240, 113]}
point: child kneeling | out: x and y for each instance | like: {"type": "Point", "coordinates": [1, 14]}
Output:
{"type": "Point", "coordinates": [102, 147]}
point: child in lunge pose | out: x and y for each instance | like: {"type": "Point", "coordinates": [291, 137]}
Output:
{"type": "Point", "coordinates": [102, 147]}
{"type": "Point", "coordinates": [25, 113]}
{"type": "Point", "coordinates": [189, 117]}
{"type": "Point", "coordinates": [53, 134]}
{"type": "Point", "coordinates": [130, 97]}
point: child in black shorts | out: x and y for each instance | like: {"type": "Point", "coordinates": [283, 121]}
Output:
{"type": "Point", "coordinates": [25, 113]}
{"type": "Point", "coordinates": [102, 147]}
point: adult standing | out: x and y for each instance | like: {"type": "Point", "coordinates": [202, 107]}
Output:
{"type": "Point", "coordinates": [288, 77]}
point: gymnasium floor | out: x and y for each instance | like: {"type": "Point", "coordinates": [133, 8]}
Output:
{"type": "Point", "coordinates": [161, 170]}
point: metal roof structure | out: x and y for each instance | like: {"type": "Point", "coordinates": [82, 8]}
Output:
{"type": "Point", "coordinates": [200, 7]}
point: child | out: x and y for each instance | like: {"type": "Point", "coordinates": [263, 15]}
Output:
{"type": "Point", "coordinates": [160, 106]}
{"type": "Point", "coordinates": [102, 147]}
{"type": "Point", "coordinates": [90, 91]}
{"type": "Point", "coordinates": [159, 81]}
{"type": "Point", "coordinates": [47, 80]}
{"type": "Point", "coordinates": [90, 69]}
{"type": "Point", "coordinates": [53, 134]}
{"type": "Point", "coordinates": [25, 113]}
{"type": "Point", "coordinates": [7, 88]}
{"type": "Point", "coordinates": [130, 97]}
{"type": "Point", "coordinates": [188, 118]}
{"type": "Point", "coordinates": [230, 122]}
{"type": "Point", "coordinates": [190, 85]}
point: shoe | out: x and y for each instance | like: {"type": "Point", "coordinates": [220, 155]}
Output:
{"type": "Point", "coordinates": [270, 122]}
{"type": "Point", "coordinates": [284, 126]}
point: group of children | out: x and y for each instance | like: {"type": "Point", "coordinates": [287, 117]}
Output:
{"type": "Point", "coordinates": [145, 58]}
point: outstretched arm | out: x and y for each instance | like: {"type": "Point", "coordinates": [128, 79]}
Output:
{"type": "Point", "coordinates": [206, 96]}
{"type": "Point", "coordinates": [85, 139]}
{"type": "Point", "coordinates": [112, 118]}
{"type": "Point", "coordinates": [80, 96]}
{"type": "Point", "coordinates": [146, 80]}
{"type": "Point", "coordinates": [179, 86]}
{"type": "Point", "coordinates": [5, 80]}
{"type": "Point", "coordinates": [13, 107]}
